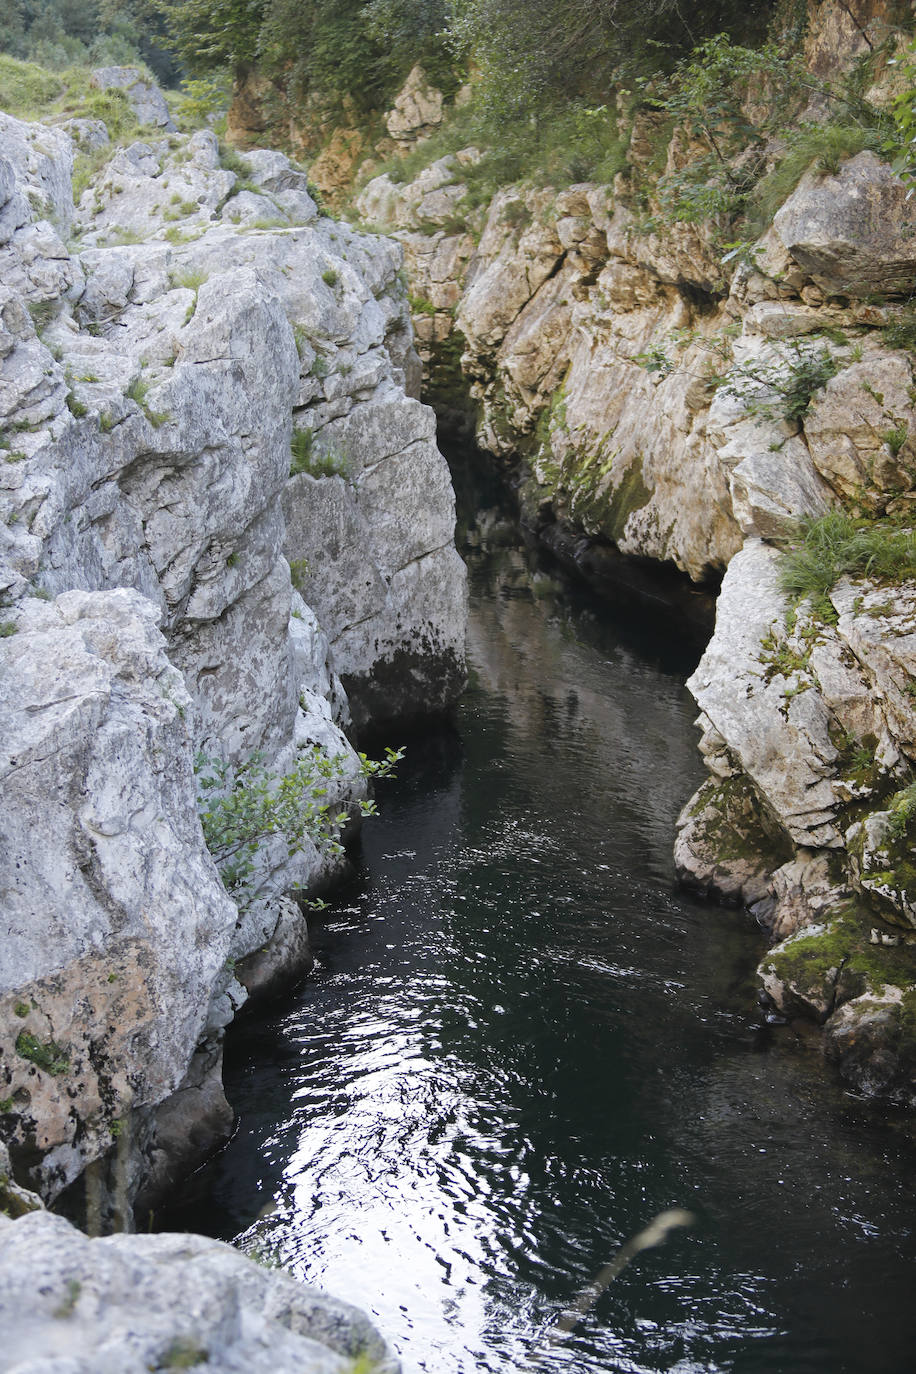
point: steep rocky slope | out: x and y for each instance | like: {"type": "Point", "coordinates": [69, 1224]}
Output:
{"type": "Point", "coordinates": [153, 377]}
{"type": "Point", "coordinates": [691, 403]}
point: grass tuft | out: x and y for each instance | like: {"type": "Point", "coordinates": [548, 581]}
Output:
{"type": "Point", "coordinates": [837, 545]}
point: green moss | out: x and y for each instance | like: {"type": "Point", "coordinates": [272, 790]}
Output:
{"type": "Point", "coordinates": [46, 1055]}
{"type": "Point", "coordinates": [630, 495]}
{"type": "Point", "coordinates": [844, 945]}
{"type": "Point", "coordinates": [15, 1201]}
{"type": "Point", "coordinates": [736, 828]}
{"type": "Point", "coordinates": [300, 572]}
{"type": "Point", "coordinates": [593, 502]}
{"type": "Point", "coordinates": [182, 1353]}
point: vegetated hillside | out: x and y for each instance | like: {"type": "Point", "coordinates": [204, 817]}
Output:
{"type": "Point", "coordinates": [57, 34]}
{"type": "Point", "coordinates": [685, 311]}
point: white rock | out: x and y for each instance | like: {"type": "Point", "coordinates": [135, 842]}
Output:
{"type": "Point", "coordinates": [127, 1304]}
{"type": "Point", "coordinates": [146, 100]}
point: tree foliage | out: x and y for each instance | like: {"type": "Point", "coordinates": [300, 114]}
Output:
{"type": "Point", "coordinates": [532, 53]}
{"type": "Point", "coordinates": [537, 53]}
{"type": "Point", "coordinates": [242, 807]}
{"type": "Point", "coordinates": [61, 33]}
{"type": "Point", "coordinates": [361, 49]}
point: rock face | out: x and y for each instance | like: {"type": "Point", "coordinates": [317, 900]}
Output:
{"type": "Point", "coordinates": [128, 1304]}
{"type": "Point", "coordinates": [148, 395]}
{"type": "Point", "coordinates": [808, 734]}
{"type": "Point", "coordinates": [417, 110]}
{"type": "Point", "coordinates": [692, 406]}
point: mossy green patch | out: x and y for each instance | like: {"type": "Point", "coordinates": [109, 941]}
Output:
{"type": "Point", "coordinates": [841, 956]}
{"type": "Point", "coordinates": [610, 509]}
{"type": "Point", "coordinates": [46, 1055]}
{"type": "Point", "coordinates": [735, 826]}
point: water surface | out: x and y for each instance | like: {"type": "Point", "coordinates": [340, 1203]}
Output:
{"type": "Point", "coordinates": [521, 1043]}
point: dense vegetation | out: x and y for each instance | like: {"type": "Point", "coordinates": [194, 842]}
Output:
{"type": "Point", "coordinates": [530, 53]}
{"type": "Point", "coordinates": [63, 33]}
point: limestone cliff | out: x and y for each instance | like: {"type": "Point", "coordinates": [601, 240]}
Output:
{"type": "Point", "coordinates": [692, 402]}
{"type": "Point", "coordinates": [171, 346]}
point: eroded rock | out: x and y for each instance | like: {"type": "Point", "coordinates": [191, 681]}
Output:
{"type": "Point", "coordinates": [147, 399]}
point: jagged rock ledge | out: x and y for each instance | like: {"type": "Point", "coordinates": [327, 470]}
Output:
{"type": "Point", "coordinates": [125, 1304]}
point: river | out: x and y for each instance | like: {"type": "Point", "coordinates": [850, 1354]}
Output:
{"type": "Point", "coordinates": [521, 1043]}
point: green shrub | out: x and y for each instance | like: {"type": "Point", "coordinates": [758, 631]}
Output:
{"type": "Point", "coordinates": [901, 332]}
{"type": "Point", "coordinates": [138, 391]}
{"type": "Point", "coordinates": [902, 807]}
{"type": "Point", "coordinates": [244, 805]}
{"type": "Point", "coordinates": [233, 161]}
{"type": "Point", "coordinates": [304, 458]}
{"type": "Point", "coordinates": [191, 279]}
{"type": "Point", "coordinates": [794, 378]}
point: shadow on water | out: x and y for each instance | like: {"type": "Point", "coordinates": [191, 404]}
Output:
{"type": "Point", "coordinates": [521, 1043]}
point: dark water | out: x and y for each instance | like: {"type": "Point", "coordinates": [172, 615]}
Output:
{"type": "Point", "coordinates": [520, 1044]}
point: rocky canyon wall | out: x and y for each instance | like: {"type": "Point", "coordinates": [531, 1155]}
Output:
{"type": "Point", "coordinates": [694, 404]}
{"type": "Point", "coordinates": [207, 413]}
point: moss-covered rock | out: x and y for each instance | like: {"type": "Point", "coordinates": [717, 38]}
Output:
{"type": "Point", "coordinates": [822, 967]}
{"type": "Point", "coordinates": [872, 1041]}
{"type": "Point", "coordinates": [15, 1201]}
{"type": "Point", "coordinates": [883, 868]}
{"type": "Point", "coordinates": [726, 847]}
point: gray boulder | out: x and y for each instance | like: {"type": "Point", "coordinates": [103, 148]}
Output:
{"type": "Point", "coordinates": [129, 1304]}
{"type": "Point", "coordinates": [146, 99]}
{"type": "Point", "coordinates": [853, 233]}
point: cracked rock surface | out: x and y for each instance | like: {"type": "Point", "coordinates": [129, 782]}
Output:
{"type": "Point", "coordinates": [152, 374]}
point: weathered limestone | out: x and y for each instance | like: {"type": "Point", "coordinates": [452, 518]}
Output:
{"type": "Point", "coordinates": [809, 738]}
{"type": "Point", "coordinates": [103, 854]}
{"type": "Point", "coordinates": [148, 392]}
{"type": "Point", "coordinates": [852, 233]}
{"type": "Point", "coordinates": [417, 109]}
{"type": "Point", "coordinates": [127, 1304]}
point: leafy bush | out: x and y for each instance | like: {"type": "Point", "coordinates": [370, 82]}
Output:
{"type": "Point", "coordinates": [242, 806]}
{"type": "Point", "coordinates": [901, 332]}
{"type": "Point", "coordinates": [793, 379]}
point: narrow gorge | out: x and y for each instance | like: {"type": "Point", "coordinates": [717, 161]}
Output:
{"type": "Point", "coordinates": [228, 559]}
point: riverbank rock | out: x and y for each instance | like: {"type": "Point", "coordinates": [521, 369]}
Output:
{"type": "Point", "coordinates": [135, 1303]}
{"type": "Point", "coordinates": [810, 724]}
{"type": "Point", "coordinates": [151, 381]}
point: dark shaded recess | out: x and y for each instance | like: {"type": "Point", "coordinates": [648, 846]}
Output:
{"type": "Point", "coordinates": [411, 683]}
{"type": "Point", "coordinates": [631, 588]}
